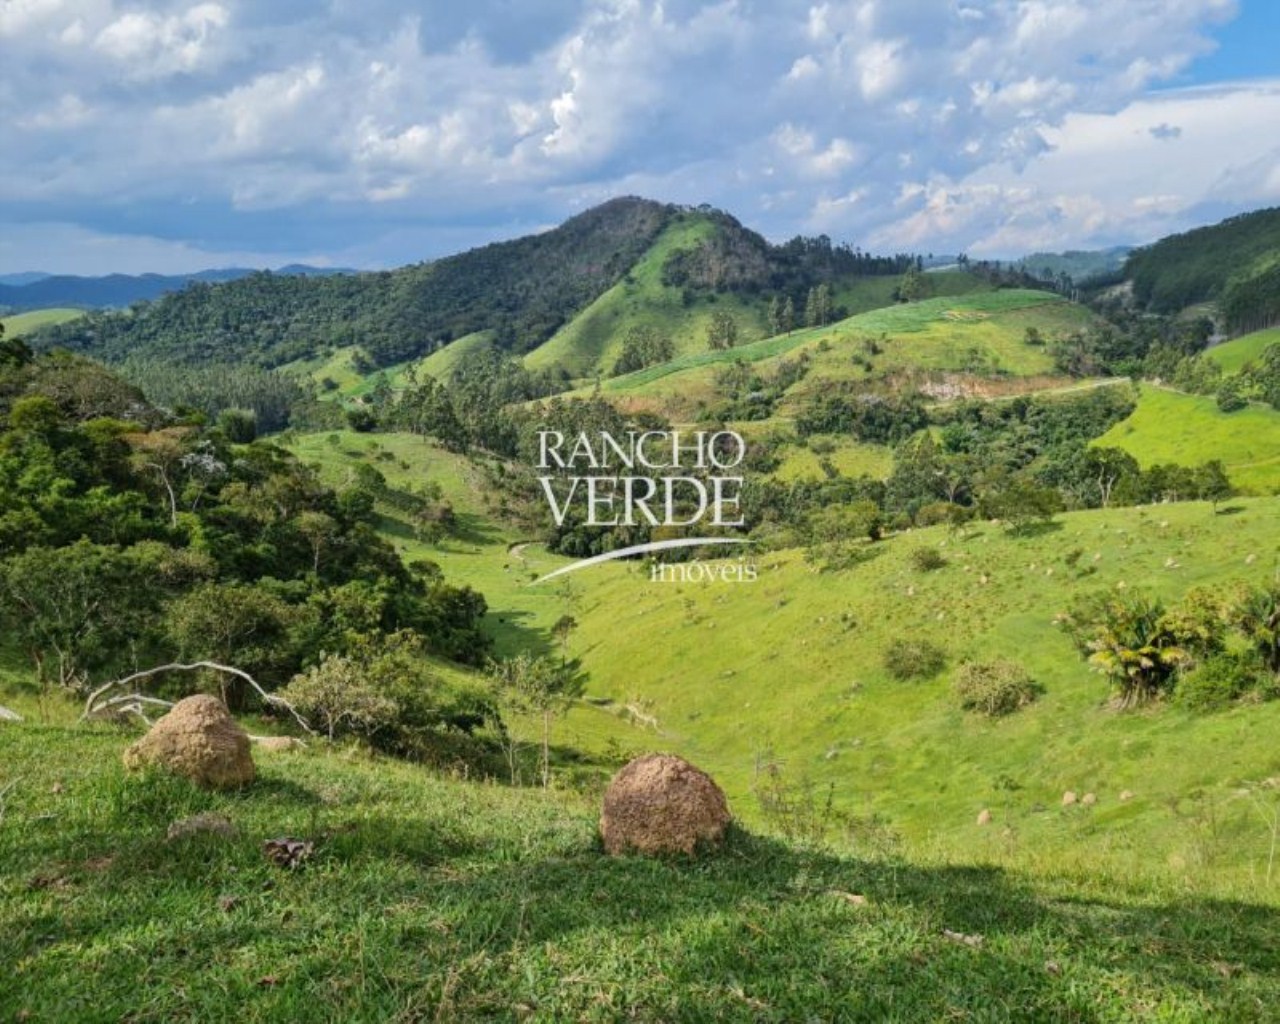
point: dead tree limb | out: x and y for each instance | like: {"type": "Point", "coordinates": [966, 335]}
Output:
{"type": "Point", "coordinates": [92, 708]}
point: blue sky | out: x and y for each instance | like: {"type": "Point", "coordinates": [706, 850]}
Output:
{"type": "Point", "coordinates": [172, 135]}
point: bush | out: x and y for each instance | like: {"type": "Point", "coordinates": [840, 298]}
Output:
{"type": "Point", "coordinates": [994, 688]}
{"type": "Point", "coordinates": [1217, 681]}
{"type": "Point", "coordinates": [927, 559]}
{"type": "Point", "coordinates": [914, 659]}
{"type": "Point", "coordinates": [338, 697]}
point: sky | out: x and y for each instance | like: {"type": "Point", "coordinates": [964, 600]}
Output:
{"type": "Point", "coordinates": [176, 135]}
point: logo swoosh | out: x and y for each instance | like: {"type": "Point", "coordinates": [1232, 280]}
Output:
{"type": "Point", "coordinates": [639, 549]}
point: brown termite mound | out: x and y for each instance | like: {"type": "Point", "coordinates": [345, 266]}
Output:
{"type": "Point", "coordinates": [661, 804]}
{"type": "Point", "coordinates": [200, 740]}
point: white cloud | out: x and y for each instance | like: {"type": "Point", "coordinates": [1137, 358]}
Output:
{"type": "Point", "coordinates": [893, 122]}
{"type": "Point", "coordinates": [150, 45]}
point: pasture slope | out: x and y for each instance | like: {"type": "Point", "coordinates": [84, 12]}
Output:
{"type": "Point", "coordinates": [789, 670]}
{"type": "Point", "coordinates": [1172, 427]}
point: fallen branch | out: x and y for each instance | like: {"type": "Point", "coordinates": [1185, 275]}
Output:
{"type": "Point", "coordinates": [92, 708]}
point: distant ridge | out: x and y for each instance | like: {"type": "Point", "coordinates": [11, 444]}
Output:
{"type": "Point", "coordinates": [35, 290]}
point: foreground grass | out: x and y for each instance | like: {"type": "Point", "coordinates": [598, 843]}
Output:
{"type": "Point", "coordinates": [435, 899]}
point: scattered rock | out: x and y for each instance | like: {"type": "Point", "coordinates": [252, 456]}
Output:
{"type": "Point", "coordinates": [208, 823]}
{"type": "Point", "coordinates": [276, 744]}
{"type": "Point", "coordinates": [1069, 798]}
{"type": "Point", "coordinates": [659, 803]}
{"type": "Point", "coordinates": [288, 852]}
{"type": "Point", "coordinates": [228, 903]}
{"type": "Point", "coordinates": [968, 940]}
{"type": "Point", "coordinates": [9, 716]}
{"type": "Point", "coordinates": [854, 899]}
{"type": "Point", "coordinates": [1250, 560]}
{"type": "Point", "coordinates": [1051, 966]}
{"type": "Point", "coordinates": [200, 740]}
{"type": "Point", "coordinates": [1126, 796]}
{"type": "Point", "coordinates": [984, 817]}
{"type": "Point", "coordinates": [57, 788]}
{"type": "Point", "coordinates": [1089, 799]}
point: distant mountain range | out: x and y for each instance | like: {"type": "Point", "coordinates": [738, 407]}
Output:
{"type": "Point", "coordinates": [37, 290]}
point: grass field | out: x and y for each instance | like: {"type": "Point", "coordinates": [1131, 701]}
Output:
{"type": "Point", "coordinates": [20, 323]}
{"type": "Point", "coordinates": [789, 669]}
{"type": "Point", "coordinates": [1235, 354]}
{"type": "Point", "coordinates": [429, 899]}
{"type": "Point", "coordinates": [1169, 426]}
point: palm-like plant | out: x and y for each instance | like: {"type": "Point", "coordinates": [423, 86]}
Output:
{"type": "Point", "coordinates": [1259, 620]}
{"type": "Point", "coordinates": [1139, 648]}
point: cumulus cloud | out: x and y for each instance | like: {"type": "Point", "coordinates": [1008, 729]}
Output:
{"type": "Point", "coordinates": [894, 122]}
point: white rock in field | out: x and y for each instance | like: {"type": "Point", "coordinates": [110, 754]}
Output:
{"type": "Point", "coordinates": [1069, 798]}
{"type": "Point", "coordinates": [1089, 799]}
{"type": "Point", "coordinates": [984, 817]}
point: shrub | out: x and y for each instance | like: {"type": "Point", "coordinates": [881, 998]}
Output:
{"type": "Point", "coordinates": [338, 696]}
{"type": "Point", "coordinates": [906, 659]}
{"type": "Point", "coordinates": [927, 559]}
{"type": "Point", "coordinates": [994, 688]}
{"type": "Point", "coordinates": [1217, 681]}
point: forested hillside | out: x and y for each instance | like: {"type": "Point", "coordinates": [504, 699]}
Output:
{"type": "Point", "coordinates": [131, 538]}
{"type": "Point", "coordinates": [1236, 263]}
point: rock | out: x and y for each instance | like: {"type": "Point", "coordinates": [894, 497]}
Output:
{"type": "Point", "coordinates": [208, 823]}
{"type": "Point", "coordinates": [276, 744]}
{"type": "Point", "coordinates": [1089, 799]}
{"type": "Point", "coordinates": [200, 740]}
{"type": "Point", "coordinates": [9, 716]}
{"type": "Point", "coordinates": [1126, 796]}
{"type": "Point", "coordinates": [984, 817]}
{"type": "Point", "coordinates": [659, 803]}
{"type": "Point", "coordinates": [1069, 798]}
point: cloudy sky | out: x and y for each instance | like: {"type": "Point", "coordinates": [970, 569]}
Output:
{"type": "Point", "coordinates": [173, 135]}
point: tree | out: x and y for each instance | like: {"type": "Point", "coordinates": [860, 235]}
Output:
{"type": "Point", "coordinates": [788, 316]}
{"type": "Point", "coordinates": [1212, 483]}
{"type": "Point", "coordinates": [536, 685]}
{"type": "Point", "coordinates": [340, 697]}
{"type": "Point", "coordinates": [75, 607]}
{"type": "Point", "coordinates": [722, 331]}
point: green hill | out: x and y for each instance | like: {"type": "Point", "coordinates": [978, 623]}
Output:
{"type": "Point", "coordinates": [1234, 261]}
{"type": "Point", "coordinates": [592, 341]}
{"type": "Point", "coordinates": [1171, 427]}
{"type": "Point", "coordinates": [1234, 355]}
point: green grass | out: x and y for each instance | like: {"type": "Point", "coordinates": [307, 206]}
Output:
{"type": "Point", "coordinates": [789, 668]}
{"type": "Point", "coordinates": [851, 458]}
{"type": "Point", "coordinates": [1169, 426]}
{"type": "Point", "coordinates": [431, 899]}
{"type": "Point", "coordinates": [20, 323]}
{"type": "Point", "coordinates": [442, 363]}
{"type": "Point", "coordinates": [1237, 353]}
{"type": "Point", "coordinates": [592, 341]}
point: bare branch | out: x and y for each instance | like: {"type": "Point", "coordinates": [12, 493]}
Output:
{"type": "Point", "coordinates": [268, 698]}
